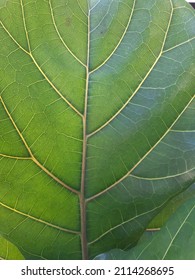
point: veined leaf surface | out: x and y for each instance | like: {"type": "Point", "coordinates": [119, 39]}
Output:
{"type": "Point", "coordinates": [175, 241]}
{"type": "Point", "coordinates": [8, 251]}
{"type": "Point", "coordinates": [171, 207]}
{"type": "Point", "coordinates": [96, 120]}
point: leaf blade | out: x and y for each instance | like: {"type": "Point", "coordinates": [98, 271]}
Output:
{"type": "Point", "coordinates": [8, 251]}
{"type": "Point", "coordinates": [58, 90]}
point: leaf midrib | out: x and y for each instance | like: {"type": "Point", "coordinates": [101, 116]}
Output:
{"type": "Point", "coordinates": [82, 193]}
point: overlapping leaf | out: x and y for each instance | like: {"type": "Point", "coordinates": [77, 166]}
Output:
{"type": "Point", "coordinates": [171, 207]}
{"type": "Point", "coordinates": [96, 120]}
{"type": "Point", "coordinates": [175, 241]}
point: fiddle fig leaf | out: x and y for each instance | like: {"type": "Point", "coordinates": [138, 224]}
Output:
{"type": "Point", "coordinates": [96, 121]}
{"type": "Point", "coordinates": [8, 251]}
{"type": "Point", "coordinates": [171, 207]}
{"type": "Point", "coordinates": [169, 243]}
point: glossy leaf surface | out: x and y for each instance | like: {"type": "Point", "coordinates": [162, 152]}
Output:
{"type": "Point", "coordinates": [96, 120]}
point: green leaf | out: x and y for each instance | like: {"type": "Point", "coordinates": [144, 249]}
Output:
{"type": "Point", "coordinates": [96, 121]}
{"type": "Point", "coordinates": [175, 241]}
{"type": "Point", "coordinates": [8, 251]}
{"type": "Point", "coordinates": [171, 207]}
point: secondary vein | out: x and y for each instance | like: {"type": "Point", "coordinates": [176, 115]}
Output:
{"type": "Point", "coordinates": [142, 158]}
{"type": "Point", "coordinates": [139, 86]}
{"type": "Point", "coordinates": [60, 37]}
{"type": "Point", "coordinates": [31, 153]}
{"type": "Point", "coordinates": [38, 220]}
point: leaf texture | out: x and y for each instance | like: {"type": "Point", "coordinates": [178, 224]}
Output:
{"type": "Point", "coordinates": [168, 244]}
{"type": "Point", "coordinates": [171, 207]}
{"type": "Point", "coordinates": [8, 251]}
{"type": "Point", "coordinates": [96, 121]}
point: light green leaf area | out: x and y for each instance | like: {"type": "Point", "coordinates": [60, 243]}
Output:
{"type": "Point", "coordinates": [8, 251]}
{"type": "Point", "coordinates": [175, 241]}
{"type": "Point", "coordinates": [96, 121]}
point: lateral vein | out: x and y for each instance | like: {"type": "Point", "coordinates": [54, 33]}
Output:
{"type": "Point", "coordinates": [139, 86]}
{"type": "Point", "coordinates": [141, 159]}
{"type": "Point", "coordinates": [15, 157]}
{"type": "Point", "coordinates": [39, 220]}
{"type": "Point", "coordinates": [125, 222]}
{"type": "Point", "coordinates": [167, 250]}
{"type": "Point", "coordinates": [29, 53]}
{"type": "Point", "coordinates": [162, 178]}
{"type": "Point", "coordinates": [176, 46]}
{"type": "Point", "coordinates": [60, 37]}
{"type": "Point", "coordinates": [123, 35]}
{"type": "Point", "coordinates": [31, 153]}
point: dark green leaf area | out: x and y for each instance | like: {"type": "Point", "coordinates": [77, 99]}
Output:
{"type": "Point", "coordinates": [175, 241]}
